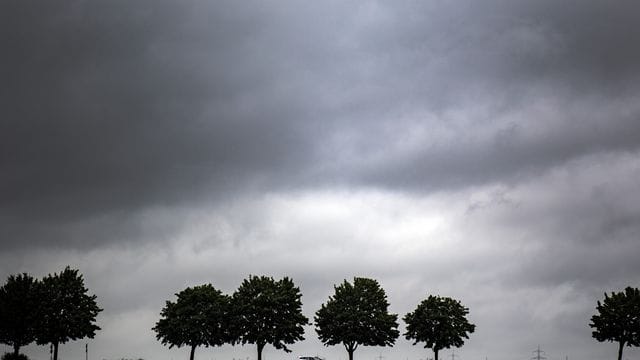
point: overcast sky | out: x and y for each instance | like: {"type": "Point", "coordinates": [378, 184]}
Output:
{"type": "Point", "coordinates": [482, 150]}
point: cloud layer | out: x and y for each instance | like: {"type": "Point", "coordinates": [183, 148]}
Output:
{"type": "Point", "coordinates": [483, 151]}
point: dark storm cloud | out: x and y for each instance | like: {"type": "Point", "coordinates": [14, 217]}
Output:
{"type": "Point", "coordinates": [515, 151]}
{"type": "Point", "coordinates": [111, 106]}
{"type": "Point", "coordinates": [115, 107]}
{"type": "Point", "coordinates": [482, 150]}
{"type": "Point", "coordinates": [530, 86]}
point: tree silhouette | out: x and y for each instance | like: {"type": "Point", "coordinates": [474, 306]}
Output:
{"type": "Point", "coordinates": [618, 319]}
{"type": "Point", "coordinates": [67, 312]}
{"type": "Point", "coordinates": [268, 312]}
{"type": "Point", "coordinates": [357, 315]}
{"type": "Point", "coordinates": [19, 306]}
{"type": "Point", "coordinates": [200, 316]}
{"type": "Point", "coordinates": [439, 322]}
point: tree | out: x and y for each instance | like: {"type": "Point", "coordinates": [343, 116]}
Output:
{"type": "Point", "coordinates": [268, 312]}
{"type": "Point", "coordinates": [19, 307]}
{"type": "Point", "coordinates": [200, 316]}
{"type": "Point", "coordinates": [357, 315]}
{"type": "Point", "coordinates": [67, 312]}
{"type": "Point", "coordinates": [439, 322]}
{"type": "Point", "coordinates": [618, 319]}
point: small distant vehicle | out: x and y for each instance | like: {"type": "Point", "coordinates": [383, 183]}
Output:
{"type": "Point", "coordinates": [309, 358]}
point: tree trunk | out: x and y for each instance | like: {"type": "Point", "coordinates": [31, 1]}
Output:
{"type": "Point", "coordinates": [435, 354]}
{"type": "Point", "coordinates": [620, 350]}
{"type": "Point", "coordinates": [16, 349]}
{"type": "Point", "coordinates": [55, 351]}
{"type": "Point", "coordinates": [193, 351]}
{"type": "Point", "coordinates": [260, 347]}
{"type": "Point", "coordinates": [350, 351]}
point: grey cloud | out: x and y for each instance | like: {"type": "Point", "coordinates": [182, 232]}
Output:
{"type": "Point", "coordinates": [136, 139]}
{"type": "Point", "coordinates": [118, 105]}
{"type": "Point", "coordinates": [508, 59]}
{"type": "Point", "coordinates": [521, 146]}
{"type": "Point", "coordinates": [576, 224]}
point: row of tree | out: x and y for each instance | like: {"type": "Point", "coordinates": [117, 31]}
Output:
{"type": "Point", "coordinates": [265, 311]}
{"type": "Point", "coordinates": [52, 310]}
{"type": "Point", "coordinates": [57, 308]}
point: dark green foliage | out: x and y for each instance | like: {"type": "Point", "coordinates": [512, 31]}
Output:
{"type": "Point", "coordinates": [19, 306]}
{"type": "Point", "coordinates": [268, 312]}
{"type": "Point", "coordinates": [14, 356]}
{"type": "Point", "coordinates": [618, 319]}
{"type": "Point", "coordinates": [67, 311]}
{"type": "Point", "coordinates": [439, 322]}
{"type": "Point", "coordinates": [357, 315]}
{"type": "Point", "coordinates": [200, 316]}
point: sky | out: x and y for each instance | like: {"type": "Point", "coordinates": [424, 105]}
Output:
{"type": "Point", "coordinates": [486, 151]}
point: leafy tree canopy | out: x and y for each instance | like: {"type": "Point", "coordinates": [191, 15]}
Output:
{"type": "Point", "coordinates": [268, 312]}
{"type": "Point", "coordinates": [618, 319]}
{"type": "Point", "coordinates": [357, 314]}
{"type": "Point", "coordinates": [67, 312]}
{"type": "Point", "coordinates": [19, 306]}
{"type": "Point", "coordinates": [200, 316]}
{"type": "Point", "coordinates": [439, 322]}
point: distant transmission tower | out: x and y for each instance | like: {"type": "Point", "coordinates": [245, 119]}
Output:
{"type": "Point", "coordinates": [538, 353]}
{"type": "Point", "coordinates": [453, 355]}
